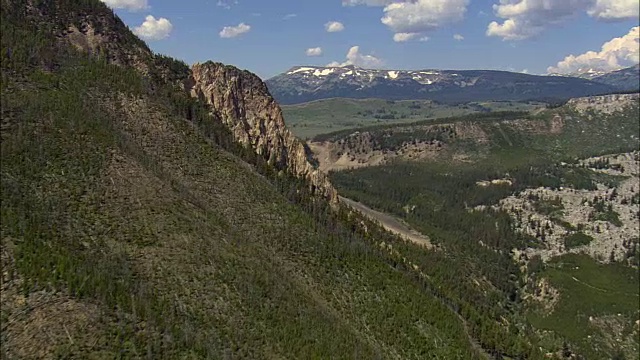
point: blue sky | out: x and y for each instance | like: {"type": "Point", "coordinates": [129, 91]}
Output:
{"type": "Point", "coordinates": [269, 37]}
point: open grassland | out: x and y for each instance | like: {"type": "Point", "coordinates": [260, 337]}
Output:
{"type": "Point", "coordinates": [324, 116]}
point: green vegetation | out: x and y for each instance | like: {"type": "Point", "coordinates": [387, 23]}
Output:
{"type": "Point", "coordinates": [325, 116]}
{"type": "Point", "coordinates": [604, 212]}
{"type": "Point", "coordinates": [549, 207]}
{"type": "Point", "coordinates": [591, 290]}
{"type": "Point", "coordinates": [443, 195]}
{"type": "Point", "coordinates": [577, 239]}
{"type": "Point", "coordinates": [121, 192]}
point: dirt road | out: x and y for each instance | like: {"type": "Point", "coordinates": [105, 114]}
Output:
{"type": "Point", "coordinates": [390, 223]}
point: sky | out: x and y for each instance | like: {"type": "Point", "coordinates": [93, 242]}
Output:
{"type": "Point", "coordinates": [269, 37]}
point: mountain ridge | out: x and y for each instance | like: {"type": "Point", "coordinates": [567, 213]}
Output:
{"type": "Point", "coordinates": [627, 79]}
{"type": "Point", "coordinates": [307, 83]}
{"type": "Point", "coordinates": [100, 34]}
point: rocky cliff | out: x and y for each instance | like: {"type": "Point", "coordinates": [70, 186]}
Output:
{"type": "Point", "coordinates": [607, 104]}
{"type": "Point", "coordinates": [239, 98]}
{"type": "Point", "coordinates": [243, 102]}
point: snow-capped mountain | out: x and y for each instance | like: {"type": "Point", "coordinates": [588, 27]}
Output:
{"type": "Point", "coordinates": [306, 83]}
{"type": "Point", "coordinates": [586, 73]}
{"type": "Point", "coordinates": [366, 77]}
{"type": "Point", "coordinates": [625, 79]}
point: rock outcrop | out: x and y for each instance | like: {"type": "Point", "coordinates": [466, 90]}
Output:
{"type": "Point", "coordinates": [607, 104]}
{"type": "Point", "coordinates": [243, 102]}
{"type": "Point", "coordinates": [239, 98]}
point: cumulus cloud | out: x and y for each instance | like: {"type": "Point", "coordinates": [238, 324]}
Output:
{"type": "Point", "coordinates": [416, 16]}
{"type": "Point", "coordinates": [614, 9]}
{"type": "Point", "coordinates": [615, 54]}
{"type": "Point", "coordinates": [354, 57]}
{"type": "Point", "coordinates": [131, 5]}
{"type": "Point", "coordinates": [527, 18]}
{"type": "Point", "coordinates": [316, 51]}
{"type": "Point", "coordinates": [458, 37]}
{"type": "Point", "coordinates": [402, 37]}
{"type": "Point", "coordinates": [153, 29]}
{"type": "Point", "coordinates": [234, 31]}
{"type": "Point", "coordinates": [334, 26]}
{"type": "Point", "coordinates": [421, 16]}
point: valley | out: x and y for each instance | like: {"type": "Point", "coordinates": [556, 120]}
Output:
{"type": "Point", "coordinates": [157, 210]}
{"type": "Point", "coordinates": [313, 118]}
{"type": "Point", "coordinates": [520, 186]}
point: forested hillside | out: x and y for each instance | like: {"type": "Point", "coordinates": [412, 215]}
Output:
{"type": "Point", "coordinates": [134, 226]}
{"type": "Point", "coordinates": [586, 305]}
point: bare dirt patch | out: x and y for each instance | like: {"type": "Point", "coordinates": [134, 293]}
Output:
{"type": "Point", "coordinates": [44, 324]}
{"type": "Point", "coordinates": [390, 223]}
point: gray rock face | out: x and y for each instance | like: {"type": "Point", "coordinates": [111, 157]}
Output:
{"type": "Point", "coordinates": [607, 104]}
{"type": "Point", "coordinates": [242, 101]}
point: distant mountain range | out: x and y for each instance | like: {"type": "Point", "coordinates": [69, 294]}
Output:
{"type": "Point", "coordinates": [625, 79]}
{"type": "Point", "coordinates": [306, 83]}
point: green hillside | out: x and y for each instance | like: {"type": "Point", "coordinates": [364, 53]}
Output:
{"type": "Point", "coordinates": [441, 198]}
{"type": "Point", "coordinates": [133, 226]}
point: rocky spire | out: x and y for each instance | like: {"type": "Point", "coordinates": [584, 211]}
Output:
{"type": "Point", "coordinates": [243, 102]}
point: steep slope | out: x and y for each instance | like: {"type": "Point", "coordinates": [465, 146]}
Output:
{"type": "Point", "coordinates": [626, 79]}
{"type": "Point", "coordinates": [132, 227]}
{"type": "Point", "coordinates": [238, 98]}
{"type": "Point", "coordinates": [244, 104]}
{"type": "Point", "coordinates": [302, 84]}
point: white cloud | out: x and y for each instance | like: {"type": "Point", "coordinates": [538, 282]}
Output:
{"type": "Point", "coordinates": [316, 51]}
{"type": "Point", "coordinates": [153, 29]}
{"type": "Point", "coordinates": [354, 57]}
{"type": "Point", "coordinates": [233, 31]}
{"type": "Point", "coordinates": [227, 4]}
{"type": "Point", "coordinates": [424, 38]}
{"type": "Point", "coordinates": [131, 5]}
{"type": "Point", "coordinates": [289, 16]}
{"type": "Point", "coordinates": [458, 37]}
{"type": "Point", "coordinates": [615, 54]}
{"type": "Point", "coordinates": [334, 26]}
{"type": "Point", "coordinates": [615, 9]}
{"type": "Point", "coordinates": [527, 18]}
{"type": "Point", "coordinates": [422, 16]}
{"type": "Point", "coordinates": [416, 16]}
{"type": "Point", "coordinates": [402, 37]}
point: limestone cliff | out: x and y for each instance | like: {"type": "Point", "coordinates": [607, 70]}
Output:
{"type": "Point", "coordinates": [607, 104]}
{"type": "Point", "coordinates": [243, 102]}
